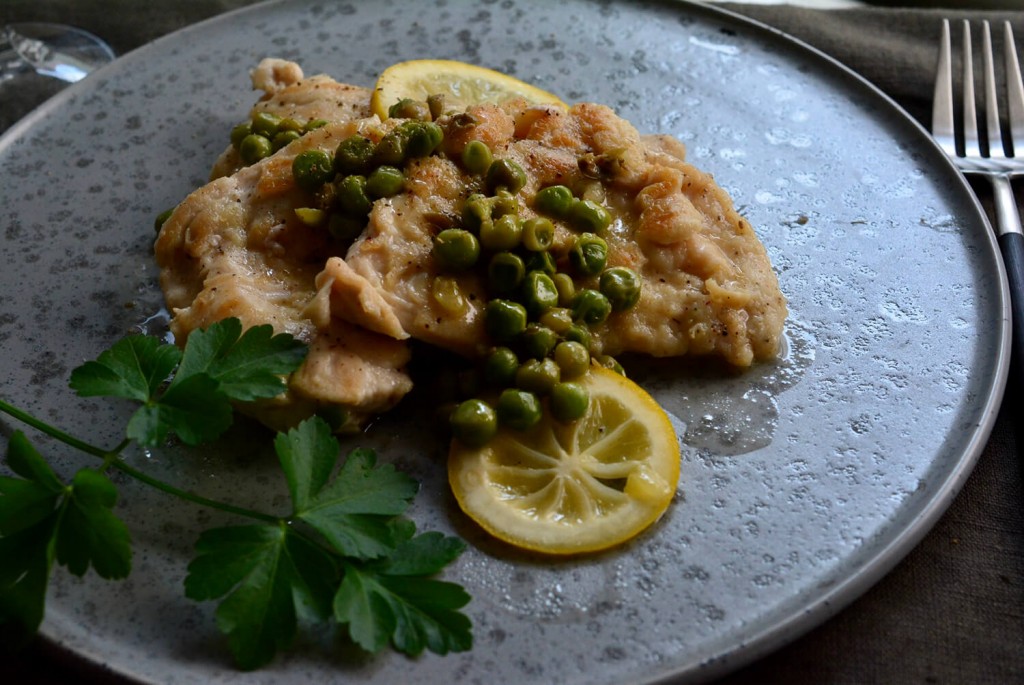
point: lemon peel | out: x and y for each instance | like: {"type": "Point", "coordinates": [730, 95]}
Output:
{"type": "Point", "coordinates": [462, 84]}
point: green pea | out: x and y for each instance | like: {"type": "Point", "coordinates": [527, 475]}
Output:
{"type": "Point", "coordinates": [312, 169]}
{"type": "Point", "coordinates": [589, 254]}
{"type": "Point", "coordinates": [566, 288]}
{"type": "Point", "coordinates": [505, 273]}
{"type": "Point", "coordinates": [504, 319]}
{"type": "Point", "coordinates": [504, 203]}
{"type": "Point", "coordinates": [266, 124]}
{"type": "Point", "coordinates": [572, 357]}
{"type": "Point", "coordinates": [254, 147]}
{"type": "Point", "coordinates": [289, 124]}
{"type": "Point", "coordinates": [391, 149]}
{"type": "Point", "coordinates": [609, 362]}
{"type": "Point", "coordinates": [538, 293]}
{"type": "Point", "coordinates": [456, 249]}
{"type": "Point", "coordinates": [503, 233]}
{"type": "Point", "coordinates": [239, 132]}
{"type": "Point", "coordinates": [474, 423]}
{"type": "Point", "coordinates": [542, 261]}
{"type": "Point", "coordinates": [621, 285]}
{"type": "Point", "coordinates": [505, 173]}
{"type": "Point", "coordinates": [587, 215]}
{"type": "Point", "coordinates": [475, 211]}
{"type": "Point", "coordinates": [538, 234]}
{"type": "Point", "coordinates": [569, 401]}
{"type": "Point", "coordinates": [345, 229]}
{"type": "Point", "coordinates": [422, 138]}
{"type": "Point", "coordinates": [476, 157]}
{"type": "Point", "coordinates": [578, 333]}
{"type": "Point", "coordinates": [499, 367]}
{"type": "Point", "coordinates": [538, 375]}
{"type": "Point", "coordinates": [408, 108]}
{"type": "Point", "coordinates": [353, 155]}
{"type": "Point", "coordinates": [558, 319]}
{"type": "Point", "coordinates": [351, 196]}
{"type": "Point", "coordinates": [518, 409]}
{"type": "Point", "coordinates": [162, 218]}
{"type": "Point", "coordinates": [554, 201]}
{"type": "Point", "coordinates": [537, 341]}
{"type": "Point", "coordinates": [385, 181]}
{"type": "Point", "coordinates": [283, 138]}
{"type": "Point", "coordinates": [435, 103]}
{"type": "Point", "coordinates": [591, 307]}
{"type": "Point", "coordinates": [314, 124]}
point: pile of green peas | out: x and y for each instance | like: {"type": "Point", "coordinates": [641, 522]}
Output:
{"type": "Point", "coordinates": [266, 133]}
{"type": "Point", "coordinates": [538, 317]}
{"type": "Point", "coordinates": [345, 184]}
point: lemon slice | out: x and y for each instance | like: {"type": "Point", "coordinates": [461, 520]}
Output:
{"type": "Point", "coordinates": [461, 83]}
{"type": "Point", "coordinates": [572, 488]}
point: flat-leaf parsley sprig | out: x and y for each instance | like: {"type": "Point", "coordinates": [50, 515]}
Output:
{"type": "Point", "coordinates": [344, 552]}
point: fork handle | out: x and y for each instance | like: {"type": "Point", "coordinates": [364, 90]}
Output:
{"type": "Point", "coordinates": [1011, 244]}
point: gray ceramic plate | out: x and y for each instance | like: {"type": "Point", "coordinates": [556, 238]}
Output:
{"type": "Point", "coordinates": [803, 481]}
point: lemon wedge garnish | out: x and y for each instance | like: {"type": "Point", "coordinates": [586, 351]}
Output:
{"type": "Point", "coordinates": [460, 83]}
{"type": "Point", "coordinates": [578, 487]}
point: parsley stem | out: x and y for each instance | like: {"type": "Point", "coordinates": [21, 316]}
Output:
{"type": "Point", "coordinates": [110, 458]}
{"type": "Point", "coordinates": [169, 489]}
{"type": "Point", "coordinates": [54, 432]}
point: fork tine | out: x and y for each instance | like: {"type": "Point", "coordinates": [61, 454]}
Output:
{"type": "Point", "coordinates": [942, 100]}
{"type": "Point", "coordinates": [971, 146]}
{"type": "Point", "coordinates": [995, 137]}
{"type": "Point", "coordinates": [1014, 89]}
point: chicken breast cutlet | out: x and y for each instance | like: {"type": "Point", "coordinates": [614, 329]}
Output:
{"type": "Point", "coordinates": [350, 265]}
{"type": "Point", "coordinates": [289, 95]}
{"type": "Point", "coordinates": [235, 248]}
{"type": "Point", "coordinates": [707, 284]}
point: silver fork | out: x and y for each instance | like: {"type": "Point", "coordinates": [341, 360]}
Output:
{"type": "Point", "coordinates": [997, 162]}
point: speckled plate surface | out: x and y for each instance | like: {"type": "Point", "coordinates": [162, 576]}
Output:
{"type": "Point", "coordinates": [803, 480]}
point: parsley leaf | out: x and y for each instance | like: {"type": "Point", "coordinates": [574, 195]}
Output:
{"type": "Point", "coordinates": [193, 409]}
{"type": "Point", "coordinates": [218, 365]}
{"type": "Point", "coordinates": [392, 599]}
{"type": "Point", "coordinates": [41, 519]}
{"type": "Point", "coordinates": [28, 517]}
{"type": "Point", "coordinates": [265, 571]}
{"type": "Point", "coordinates": [28, 500]}
{"type": "Point", "coordinates": [133, 368]}
{"type": "Point", "coordinates": [89, 532]}
{"type": "Point", "coordinates": [26, 558]}
{"type": "Point", "coordinates": [411, 611]}
{"type": "Point", "coordinates": [269, 574]}
{"type": "Point", "coordinates": [354, 512]}
{"type": "Point", "coordinates": [247, 366]}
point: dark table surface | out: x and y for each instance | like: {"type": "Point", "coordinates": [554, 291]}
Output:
{"type": "Point", "coordinates": [952, 612]}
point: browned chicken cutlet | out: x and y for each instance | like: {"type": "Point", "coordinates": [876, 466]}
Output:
{"type": "Point", "coordinates": [236, 247]}
{"type": "Point", "coordinates": [708, 287]}
{"type": "Point", "coordinates": [288, 94]}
